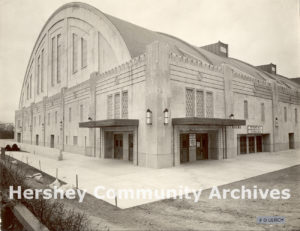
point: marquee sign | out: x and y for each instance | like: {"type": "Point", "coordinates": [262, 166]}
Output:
{"type": "Point", "coordinates": [255, 129]}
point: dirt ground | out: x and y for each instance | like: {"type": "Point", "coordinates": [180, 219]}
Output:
{"type": "Point", "coordinates": [206, 214]}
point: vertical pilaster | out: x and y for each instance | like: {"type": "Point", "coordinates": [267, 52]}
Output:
{"type": "Point", "coordinates": [62, 119]}
{"type": "Point", "coordinates": [274, 147]}
{"type": "Point", "coordinates": [44, 120]}
{"type": "Point", "coordinates": [157, 137]}
{"type": "Point", "coordinates": [92, 113]}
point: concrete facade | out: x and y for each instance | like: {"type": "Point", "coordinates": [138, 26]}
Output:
{"type": "Point", "coordinates": [89, 66]}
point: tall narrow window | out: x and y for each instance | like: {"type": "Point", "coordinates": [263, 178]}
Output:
{"type": "Point", "coordinates": [125, 105]}
{"type": "Point", "coordinates": [27, 91]}
{"type": "Point", "coordinates": [59, 58]}
{"type": "Point", "coordinates": [81, 112]}
{"type": "Point", "coordinates": [49, 118]}
{"type": "Point", "coordinates": [117, 106]}
{"type": "Point", "coordinates": [245, 109]}
{"type": "Point", "coordinates": [34, 121]}
{"type": "Point", "coordinates": [200, 103]}
{"type": "Point", "coordinates": [75, 140]}
{"type": "Point", "coordinates": [55, 117]}
{"type": "Point", "coordinates": [83, 53]}
{"type": "Point", "coordinates": [285, 114]}
{"type": "Point", "coordinates": [53, 55]}
{"type": "Point", "coordinates": [190, 102]}
{"type": "Point", "coordinates": [30, 86]}
{"type": "Point", "coordinates": [109, 106]}
{"type": "Point", "coordinates": [209, 105]}
{"type": "Point", "coordinates": [38, 75]}
{"type": "Point", "coordinates": [262, 112]}
{"type": "Point", "coordinates": [39, 119]}
{"type": "Point", "coordinates": [42, 71]}
{"type": "Point", "coordinates": [296, 115]}
{"type": "Point", "coordinates": [75, 52]}
{"type": "Point", "coordinates": [70, 114]}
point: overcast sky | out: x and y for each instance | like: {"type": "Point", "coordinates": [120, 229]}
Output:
{"type": "Point", "coordinates": [257, 31]}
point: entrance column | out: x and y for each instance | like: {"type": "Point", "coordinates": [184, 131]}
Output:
{"type": "Point", "coordinates": [247, 144]}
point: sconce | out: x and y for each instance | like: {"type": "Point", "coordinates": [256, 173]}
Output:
{"type": "Point", "coordinates": [148, 117]}
{"type": "Point", "coordinates": [166, 116]}
{"type": "Point", "coordinates": [231, 116]}
{"type": "Point", "coordinates": [90, 119]}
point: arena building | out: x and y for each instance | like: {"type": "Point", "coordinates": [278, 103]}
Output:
{"type": "Point", "coordinates": [100, 86]}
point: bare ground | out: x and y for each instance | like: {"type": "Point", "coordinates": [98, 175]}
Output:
{"type": "Point", "coordinates": [207, 214]}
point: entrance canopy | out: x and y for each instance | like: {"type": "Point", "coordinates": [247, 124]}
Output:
{"type": "Point", "coordinates": [207, 121]}
{"type": "Point", "coordinates": [109, 123]}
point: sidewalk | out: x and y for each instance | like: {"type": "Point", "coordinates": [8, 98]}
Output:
{"type": "Point", "coordinates": [119, 174]}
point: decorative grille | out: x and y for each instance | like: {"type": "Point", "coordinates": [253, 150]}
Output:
{"type": "Point", "coordinates": [125, 105]}
{"type": "Point", "coordinates": [117, 106]}
{"type": "Point", "coordinates": [200, 103]}
{"type": "Point", "coordinates": [109, 107]}
{"type": "Point", "coordinates": [190, 103]}
{"type": "Point", "coordinates": [209, 105]}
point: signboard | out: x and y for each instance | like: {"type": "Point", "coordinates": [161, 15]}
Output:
{"type": "Point", "coordinates": [255, 129]}
{"type": "Point", "coordinates": [192, 140]}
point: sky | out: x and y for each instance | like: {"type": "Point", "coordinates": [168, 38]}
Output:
{"type": "Point", "coordinates": [257, 31]}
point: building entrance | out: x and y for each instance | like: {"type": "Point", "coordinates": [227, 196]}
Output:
{"type": "Point", "coordinates": [193, 146]}
{"type": "Point", "coordinates": [201, 146]}
{"type": "Point", "coordinates": [130, 147]}
{"type": "Point", "coordinates": [291, 141]}
{"type": "Point", "coordinates": [52, 141]}
{"type": "Point", "coordinates": [118, 146]}
{"type": "Point", "coordinates": [19, 137]}
{"type": "Point", "coordinates": [36, 139]}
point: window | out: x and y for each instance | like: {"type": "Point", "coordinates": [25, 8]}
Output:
{"type": "Point", "coordinates": [34, 121]}
{"type": "Point", "coordinates": [42, 71]}
{"type": "Point", "coordinates": [53, 55]}
{"type": "Point", "coordinates": [296, 115]}
{"type": "Point", "coordinates": [83, 53]}
{"type": "Point", "coordinates": [19, 123]}
{"type": "Point", "coordinates": [109, 107]}
{"type": "Point", "coordinates": [81, 112]}
{"type": "Point", "coordinates": [30, 85]}
{"type": "Point", "coordinates": [190, 102]}
{"type": "Point", "coordinates": [27, 91]}
{"type": "Point", "coordinates": [39, 119]}
{"type": "Point", "coordinates": [125, 105]}
{"type": "Point", "coordinates": [200, 103]}
{"type": "Point", "coordinates": [117, 106]}
{"type": "Point", "coordinates": [56, 117]}
{"type": "Point", "coordinates": [75, 53]}
{"type": "Point", "coordinates": [70, 114]}
{"type": "Point", "coordinates": [59, 58]}
{"type": "Point", "coordinates": [38, 75]}
{"type": "Point", "coordinates": [75, 140]}
{"type": "Point", "coordinates": [262, 112]}
{"type": "Point", "coordinates": [245, 109]}
{"type": "Point", "coordinates": [209, 105]}
{"type": "Point", "coordinates": [49, 118]}
{"type": "Point", "coordinates": [66, 139]}
{"type": "Point", "coordinates": [285, 114]}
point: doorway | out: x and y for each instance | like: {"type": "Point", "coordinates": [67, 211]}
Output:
{"type": "Point", "coordinates": [243, 145]}
{"type": "Point", "coordinates": [36, 139]}
{"type": "Point", "coordinates": [201, 146]}
{"type": "Point", "coordinates": [52, 141]}
{"type": "Point", "coordinates": [19, 137]}
{"type": "Point", "coordinates": [118, 146]}
{"type": "Point", "coordinates": [258, 143]}
{"type": "Point", "coordinates": [130, 147]}
{"type": "Point", "coordinates": [184, 148]}
{"type": "Point", "coordinates": [291, 141]}
{"type": "Point", "coordinates": [251, 144]}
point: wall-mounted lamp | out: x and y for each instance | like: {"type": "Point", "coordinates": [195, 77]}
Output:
{"type": "Point", "coordinates": [148, 117]}
{"type": "Point", "coordinates": [231, 116]}
{"type": "Point", "coordinates": [166, 116]}
{"type": "Point", "coordinates": [90, 119]}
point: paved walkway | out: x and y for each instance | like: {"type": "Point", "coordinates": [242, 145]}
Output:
{"type": "Point", "coordinates": [118, 174]}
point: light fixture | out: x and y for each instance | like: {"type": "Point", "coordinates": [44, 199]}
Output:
{"type": "Point", "coordinates": [90, 119]}
{"type": "Point", "coordinates": [148, 117]}
{"type": "Point", "coordinates": [231, 116]}
{"type": "Point", "coordinates": [166, 116]}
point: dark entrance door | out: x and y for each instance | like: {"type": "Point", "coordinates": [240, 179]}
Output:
{"type": "Point", "coordinates": [118, 146]}
{"type": "Point", "coordinates": [201, 146]}
{"type": "Point", "coordinates": [258, 144]}
{"type": "Point", "coordinates": [52, 141]}
{"type": "Point", "coordinates": [130, 147]}
{"type": "Point", "coordinates": [251, 144]}
{"type": "Point", "coordinates": [36, 139]}
{"type": "Point", "coordinates": [184, 148]}
{"type": "Point", "coordinates": [19, 137]}
{"type": "Point", "coordinates": [243, 145]}
{"type": "Point", "coordinates": [291, 141]}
